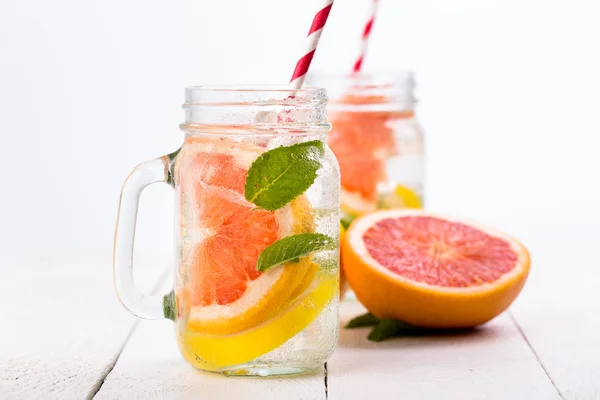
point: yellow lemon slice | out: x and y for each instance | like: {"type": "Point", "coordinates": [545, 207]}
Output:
{"type": "Point", "coordinates": [212, 352]}
{"type": "Point", "coordinates": [353, 204]}
{"type": "Point", "coordinates": [401, 197]}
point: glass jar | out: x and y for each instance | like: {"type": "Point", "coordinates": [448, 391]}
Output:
{"type": "Point", "coordinates": [377, 140]}
{"type": "Point", "coordinates": [256, 288]}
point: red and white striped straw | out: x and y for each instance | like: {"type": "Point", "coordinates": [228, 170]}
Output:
{"type": "Point", "coordinates": [312, 40]}
{"type": "Point", "coordinates": [365, 37]}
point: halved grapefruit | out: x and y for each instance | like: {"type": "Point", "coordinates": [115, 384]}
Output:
{"type": "Point", "coordinates": [223, 235]}
{"type": "Point", "coordinates": [432, 271]}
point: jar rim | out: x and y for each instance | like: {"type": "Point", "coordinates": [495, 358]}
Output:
{"type": "Point", "coordinates": [263, 107]}
{"type": "Point", "coordinates": [251, 88]}
{"type": "Point", "coordinates": [253, 94]}
{"type": "Point", "coordinates": [404, 75]}
{"type": "Point", "coordinates": [367, 91]}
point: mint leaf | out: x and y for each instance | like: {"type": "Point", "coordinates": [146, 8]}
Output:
{"type": "Point", "coordinates": [367, 319]}
{"type": "Point", "coordinates": [291, 248]}
{"type": "Point", "coordinates": [346, 221]}
{"type": "Point", "coordinates": [388, 328]}
{"type": "Point", "coordinates": [169, 306]}
{"type": "Point", "coordinates": [170, 162]}
{"type": "Point", "coordinates": [280, 175]}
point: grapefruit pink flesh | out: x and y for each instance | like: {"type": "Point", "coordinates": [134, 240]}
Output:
{"type": "Point", "coordinates": [439, 252]}
{"type": "Point", "coordinates": [362, 141]}
{"type": "Point", "coordinates": [224, 262]}
{"type": "Point", "coordinates": [432, 271]}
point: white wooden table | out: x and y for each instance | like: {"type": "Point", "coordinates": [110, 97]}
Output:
{"type": "Point", "coordinates": [65, 336]}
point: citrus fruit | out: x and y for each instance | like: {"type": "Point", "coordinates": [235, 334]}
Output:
{"type": "Point", "coordinates": [432, 271]}
{"type": "Point", "coordinates": [401, 197]}
{"type": "Point", "coordinates": [359, 144]}
{"type": "Point", "coordinates": [224, 235]}
{"type": "Point", "coordinates": [362, 141]}
{"type": "Point", "coordinates": [214, 352]}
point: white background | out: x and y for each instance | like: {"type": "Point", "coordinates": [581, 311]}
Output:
{"type": "Point", "coordinates": [509, 98]}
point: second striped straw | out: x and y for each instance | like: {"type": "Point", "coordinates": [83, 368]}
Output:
{"type": "Point", "coordinates": [365, 37]}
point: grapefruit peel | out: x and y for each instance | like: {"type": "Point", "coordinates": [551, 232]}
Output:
{"type": "Point", "coordinates": [387, 294]}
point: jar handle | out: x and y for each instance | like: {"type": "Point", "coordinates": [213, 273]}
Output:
{"type": "Point", "coordinates": [139, 304]}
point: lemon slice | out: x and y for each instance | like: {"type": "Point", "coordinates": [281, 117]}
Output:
{"type": "Point", "coordinates": [401, 197]}
{"type": "Point", "coordinates": [212, 352]}
{"type": "Point", "coordinates": [353, 204]}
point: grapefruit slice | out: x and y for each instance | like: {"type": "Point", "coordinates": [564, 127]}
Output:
{"type": "Point", "coordinates": [361, 142]}
{"type": "Point", "coordinates": [432, 271]}
{"type": "Point", "coordinates": [223, 236]}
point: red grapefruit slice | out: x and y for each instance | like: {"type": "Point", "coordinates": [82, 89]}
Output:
{"type": "Point", "coordinates": [223, 235]}
{"type": "Point", "coordinates": [432, 271]}
{"type": "Point", "coordinates": [362, 141]}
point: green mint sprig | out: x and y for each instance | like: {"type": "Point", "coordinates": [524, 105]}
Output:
{"type": "Point", "coordinates": [274, 179]}
{"type": "Point", "coordinates": [169, 306]}
{"type": "Point", "coordinates": [367, 319]}
{"type": "Point", "coordinates": [292, 248]}
{"type": "Point", "coordinates": [280, 175]}
{"type": "Point", "coordinates": [388, 328]}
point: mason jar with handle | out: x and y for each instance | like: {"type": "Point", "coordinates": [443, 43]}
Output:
{"type": "Point", "coordinates": [256, 285]}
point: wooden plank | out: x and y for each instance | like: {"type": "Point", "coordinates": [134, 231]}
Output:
{"type": "Point", "coordinates": [150, 367]}
{"type": "Point", "coordinates": [559, 313]}
{"type": "Point", "coordinates": [493, 362]}
{"type": "Point", "coordinates": [63, 328]}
